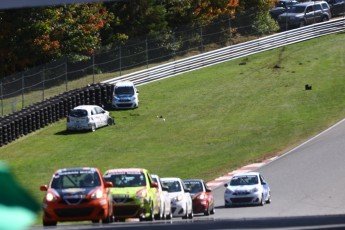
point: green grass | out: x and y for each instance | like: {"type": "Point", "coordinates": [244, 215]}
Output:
{"type": "Point", "coordinates": [216, 119]}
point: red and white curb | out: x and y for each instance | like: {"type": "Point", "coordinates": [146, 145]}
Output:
{"type": "Point", "coordinates": [226, 178]}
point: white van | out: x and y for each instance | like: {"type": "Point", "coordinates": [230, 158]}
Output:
{"type": "Point", "coordinates": [125, 95]}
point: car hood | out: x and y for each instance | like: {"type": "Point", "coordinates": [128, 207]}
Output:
{"type": "Point", "coordinates": [244, 188]}
{"type": "Point", "coordinates": [278, 9]}
{"type": "Point", "coordinates": [73, 193]}
{"type": "Point", "coordinates": [174, 194]}
{"type": "Point", "coordinates": [124, 95]}
{"type": "Point", "coordinates": [128, 191]}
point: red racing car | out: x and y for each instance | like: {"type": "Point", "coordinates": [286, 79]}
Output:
{"type": "Point", "coordinates": [203, 200]}
{"type": "Point", "coordinates": [77, 194]}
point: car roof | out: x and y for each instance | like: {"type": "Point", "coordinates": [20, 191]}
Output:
{"type": "Point", "coordinates": [194, 180]}
{"type": "Point", "coordinates": [124, 83]}
{"type": "Point", "coordinates": [76, 169]}
{"type": "Point", "coordinates": [247, 174]}
{"type": "Point", "coordinates": [125, 170]}
{"type": "Point", "coordinates": [86, 107]}
{"type": "Point", "coordinates": [309, 3]}
{"type": "Point", "coordinates": [171, 178]}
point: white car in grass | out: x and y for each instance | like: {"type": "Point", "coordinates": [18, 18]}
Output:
{"type": "Point", "coordinates": [88, 117]}
{"type": "Point", "coordinates": [248, 188]}
{"type": "Point", "coordinates": [181, 201]}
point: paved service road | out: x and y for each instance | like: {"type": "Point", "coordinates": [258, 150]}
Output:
{"type": "Point", "coordinates": [308, 191]}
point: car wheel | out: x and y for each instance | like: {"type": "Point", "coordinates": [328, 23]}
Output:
{"type": "Point", "coordinates": [213, 211]}
{"type": "Point", "coordinates": [151, 217]}
{"type": "Point", "coordinates": [324, 19]}
{"type": "Point", "coordinates": [110, 121]}
{"type": "Point", "coordinates": [108, 219]}
{"type": "Point", "coordinates": [191, 214]}
{"type": "Point", "coordinates": [169, 216]}
{"type": "Point", "coordinates": [302, 23]}
{"type": "Point", "coordinates": [268, 201]}
{"type": "Point", "coordinates": [262, 201]}
{"type": "Point", "coordinates": [207, 211]}
{"type": "Point", "coordinates": [186, 215]}
{"type": "Point", "coordinates": [49, 223]}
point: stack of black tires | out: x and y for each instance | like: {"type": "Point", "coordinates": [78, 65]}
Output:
{"type": "Point", "coordinates": [39, 115]}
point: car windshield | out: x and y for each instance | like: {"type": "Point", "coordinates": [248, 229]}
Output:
{"type": "Point", "coordinates": [78, 113]}
{"type": "Point", "coordinates": [173, 186]}
{"type": "Point", "coordinates": [126, 179]}
{"type": "Point", "coordinates": [75, 179]}
{"type": "Point", "coordinates": [244, 180]}
{"type": "Point", "coordinates": [194, 186]}
{"type": "Point", "coordinates": [296, 9]}
{"type": "Point", "coordinates": [124, 90]}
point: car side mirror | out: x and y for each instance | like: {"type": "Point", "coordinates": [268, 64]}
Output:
{"type": "Point", "coordinates": [108, 184]}
{"type": "Point", "coordinates": [154, 185]}
{"type": "Point", "coordinates": [208, 190]}
{"type": "Point", "coordinates": [44, 188]}
{"type": "Point", "coordinates": [225, 185]}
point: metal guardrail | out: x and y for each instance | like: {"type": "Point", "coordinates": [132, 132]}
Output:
{"type": "Point", "coordinates": [232, 52]}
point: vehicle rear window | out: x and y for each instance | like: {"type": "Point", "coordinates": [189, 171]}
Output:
{"type": "Point", "coordinates": [78, 113]}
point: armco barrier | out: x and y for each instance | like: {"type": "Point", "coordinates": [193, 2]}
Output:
{"type": "Point", "coordinates": [39, 115]}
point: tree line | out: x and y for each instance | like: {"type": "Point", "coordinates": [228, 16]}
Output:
{"type": "Point", "coordinates": [36, 36]}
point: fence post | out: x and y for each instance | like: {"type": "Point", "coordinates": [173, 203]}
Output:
{"type": "Point", "coordinates": [2, 99]}
{"type": "Point", "coordinates": [23, 87]}
{"type": "Point", "coordinates": [174, 45]}
{"type": "Point", "coordinates": [120, 59]}
{"type": "Point", "coordinates": [93, 68]}
{"type": "Point", "coordinates": [66, 73]}
{"type": "Point", "coordinates": [147, 54]}
{"type": "Point", "coordinates": [44, 78]}
{"type": "Point", "coordinates": [201, 41]}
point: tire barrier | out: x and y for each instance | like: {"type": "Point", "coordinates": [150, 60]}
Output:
{"type": "Point", "coordinates": [40, 115]}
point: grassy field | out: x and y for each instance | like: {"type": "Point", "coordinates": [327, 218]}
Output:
{"type": "Point", "coordinates": [215, 119]}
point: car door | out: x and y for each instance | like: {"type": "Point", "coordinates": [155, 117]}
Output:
{"type": "Point", "coordinates": [101, 116]}
{"type": "Point", "coordinates": [309, 15]}
{"type": "Point", "coordinates": [318, 13]}
{"type": "Point", "coordinates": [264, 186]}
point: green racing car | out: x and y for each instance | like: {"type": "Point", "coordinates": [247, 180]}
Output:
{"type": "Point", "coordinates": [134, 194]}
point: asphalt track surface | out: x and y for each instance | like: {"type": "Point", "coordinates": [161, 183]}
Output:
{"type": "Point", "coordinates": [308, 192]}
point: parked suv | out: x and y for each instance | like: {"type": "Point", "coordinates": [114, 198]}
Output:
{"type": "Point", "coordinates": [280, 7]}
{"type": "Point", "coordinates": [305, 13]}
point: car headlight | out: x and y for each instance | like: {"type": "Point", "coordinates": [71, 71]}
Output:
{"type": "Point", "coordinates": [254, 190]}
{"type": "Point", "coordinates": [50, 197]}
{"type": "Point", "coordinates": [228, 191]}
{"type": "Point", "coordinates": [98, 194]}
{"type": "Point", "coordinates": [201, 196]}
{"type": "Point", "coordinates": [179, 197]}
{"type": "Point", "coordinates": [116, 98]}
{"type": "Point", "coordinates": [142, 193]}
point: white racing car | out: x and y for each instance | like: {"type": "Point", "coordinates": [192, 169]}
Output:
{"type": "Point", "coordinates": [247, 189]}
{"type": "Point", "coordinates": [181, 201]}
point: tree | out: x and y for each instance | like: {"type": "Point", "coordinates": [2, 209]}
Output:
{"type": "Point", "coordinates": [35, 36]}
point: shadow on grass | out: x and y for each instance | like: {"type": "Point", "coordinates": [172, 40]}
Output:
{"type": "Point", "coordinates": [65, 132]}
